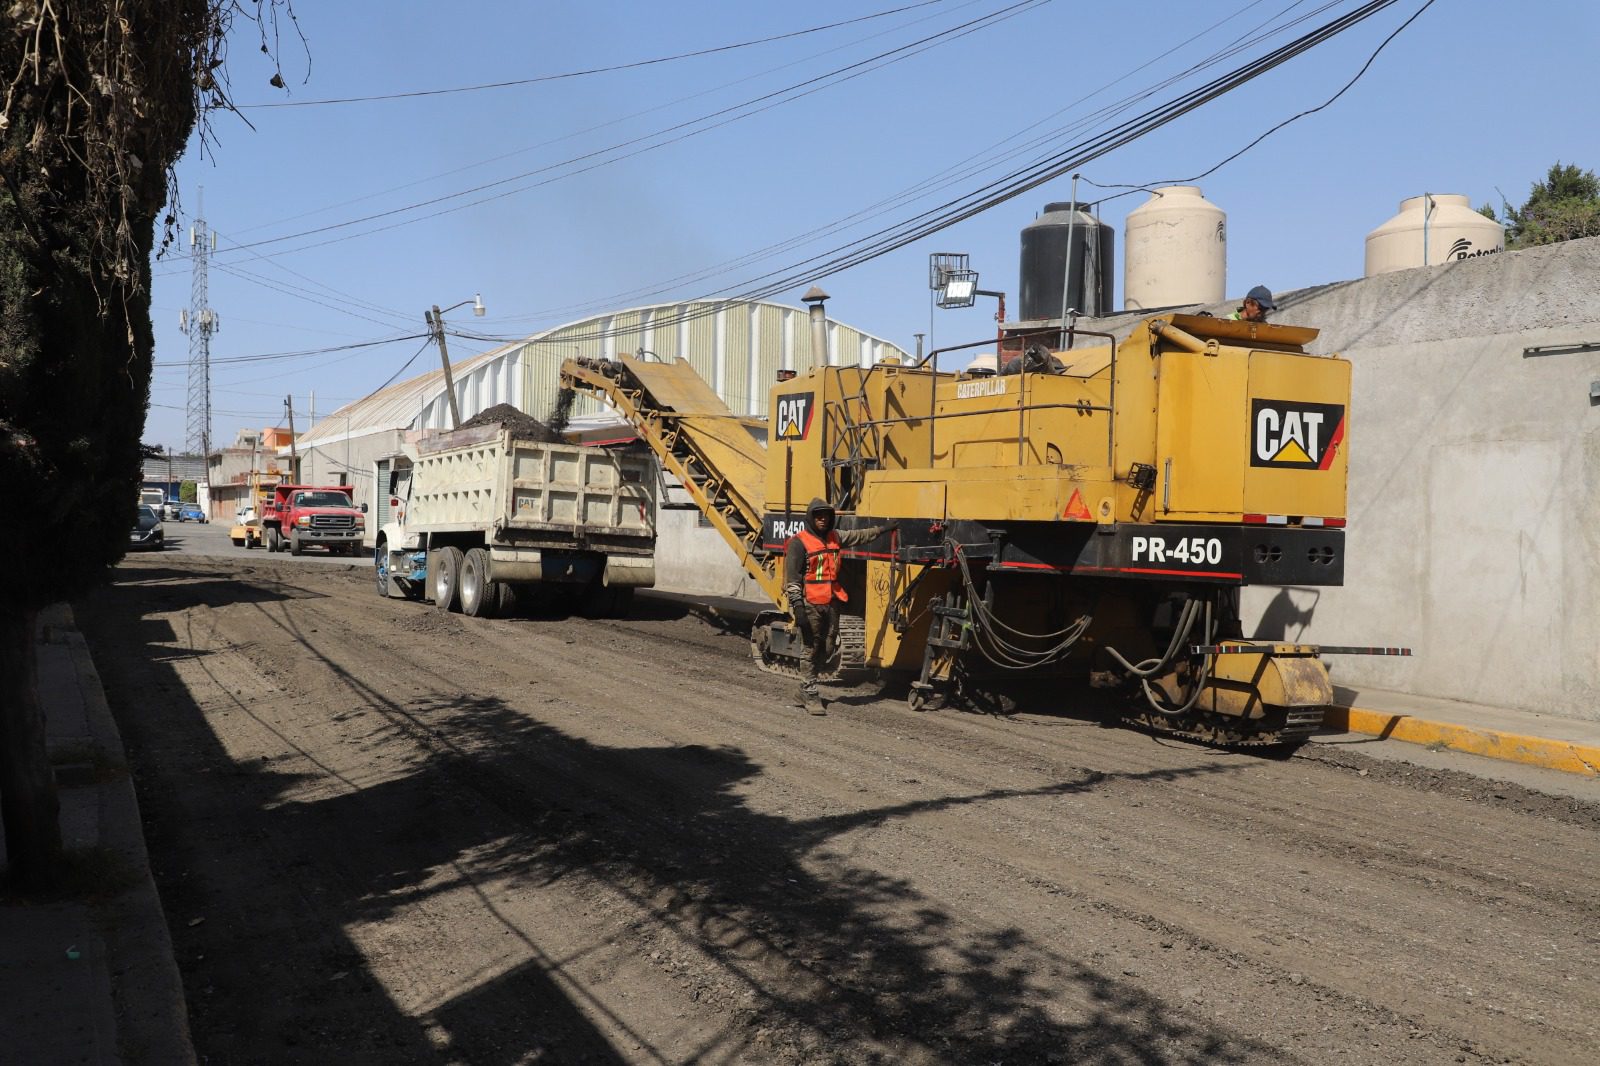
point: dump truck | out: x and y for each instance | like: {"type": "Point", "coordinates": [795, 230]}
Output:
{"type": "Point", "coordinates": [1088, 514]}
{"type": "Point", "coordinates": [472, 518]}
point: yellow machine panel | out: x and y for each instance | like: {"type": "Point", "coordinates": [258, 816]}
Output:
{"type": "Point", "coordinates": [1201, 415]}
{"type": "Point", "coordinates": [1299, 427]}
{"type": "Point", "coordinates": [823, 419]}
{"type": "Point", "coordinates": [901, 613]}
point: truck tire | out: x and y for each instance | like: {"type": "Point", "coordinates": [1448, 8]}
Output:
{"type": "Point", "coordinates": [444, 578]}
{"type": "Point", "coordinates": [294, 544]}
{"type": "Point", "coordinates": [380, 567]}
{"type": "Point", "coordinates": [621, 602]}
{"type": "Point", "coordinates": [506, 603]}
{"type": "Point", "coordinates": [479, 595]}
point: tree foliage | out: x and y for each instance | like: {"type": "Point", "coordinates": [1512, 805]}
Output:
{"type": "Point", "coordinates": [1562, 207]}
{"type": "Point", "coordinates": [97, 100]}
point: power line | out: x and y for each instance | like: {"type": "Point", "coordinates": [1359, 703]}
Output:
{"type": "Point", "coordinates": [1009, 186]}
{"type": "Point", "coordinates": [684, 130]}
{"type": "Point", "coordinates": [425, 345]}
{"type": "Point", "coordinates": [299, 293]}
{"type": "Point", "coordinates": [999, 190]}
{"type": "Point", "coordinates": [594, 70]}
{"type": "Point", "coordinates": [264, 356]}
{"type": "Point", "coordinates": [1291, 119]}
{"type": "Point", "coordinates": [664, 105]}
{"type": "Point", "coordinates": [949, 176]}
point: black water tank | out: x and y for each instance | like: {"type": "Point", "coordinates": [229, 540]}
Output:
{"type": "Point", "coordinates": [1070, 250]}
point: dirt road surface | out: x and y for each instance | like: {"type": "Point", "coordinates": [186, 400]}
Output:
{"type": "Point", "coordinates": [384, 834]}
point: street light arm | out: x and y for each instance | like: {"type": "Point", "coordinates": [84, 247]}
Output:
{"type": "Point", "coordinates": [476, 302]}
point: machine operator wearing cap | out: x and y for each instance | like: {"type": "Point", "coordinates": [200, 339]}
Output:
{"type": "Point", "coordinates": [1257, 302]}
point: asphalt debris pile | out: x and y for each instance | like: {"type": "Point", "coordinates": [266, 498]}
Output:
{"type": "Point", "coordinates": [522, 425]}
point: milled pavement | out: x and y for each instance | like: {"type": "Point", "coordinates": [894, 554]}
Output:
{"type": "Point", "coordinates": [96, 982]}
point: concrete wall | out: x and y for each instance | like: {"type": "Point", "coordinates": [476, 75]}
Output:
{"type": "Point", "coordinates": [1474, 533]}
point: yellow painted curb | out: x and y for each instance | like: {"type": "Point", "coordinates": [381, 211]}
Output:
{"type": "Point", "coordinates": [1534, 751]}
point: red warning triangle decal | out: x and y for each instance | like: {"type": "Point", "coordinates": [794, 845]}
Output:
{"type": "Point", "coordinates": [1075, 508]}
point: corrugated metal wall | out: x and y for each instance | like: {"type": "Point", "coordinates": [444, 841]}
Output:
{"type": "Point", "coordinates": [496, 380]}
{"type": "Point", "coordinates": [738, 348]}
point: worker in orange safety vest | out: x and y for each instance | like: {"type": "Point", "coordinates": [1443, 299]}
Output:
{"type": "Point", "coordinates": [811, 583]}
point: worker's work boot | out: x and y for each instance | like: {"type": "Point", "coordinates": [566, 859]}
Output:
{"type": "Point", "coordinates": [811, 701]}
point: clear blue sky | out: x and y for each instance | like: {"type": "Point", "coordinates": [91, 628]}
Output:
{"type": "Point", "coordinates": [1475, 96]}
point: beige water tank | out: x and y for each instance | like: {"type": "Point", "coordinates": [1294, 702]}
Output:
{"type": "Point", "coordinates": [1175, 251]}
{"type": "Point", "coordinates": [1431, 229]}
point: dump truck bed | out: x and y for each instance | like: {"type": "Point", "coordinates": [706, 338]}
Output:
{"type": "Point", "coordinates": [488, 479]}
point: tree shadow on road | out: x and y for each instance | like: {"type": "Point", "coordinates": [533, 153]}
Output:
{"type": "Point", "coordinates": [812, 955]}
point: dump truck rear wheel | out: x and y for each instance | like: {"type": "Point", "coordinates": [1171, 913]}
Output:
{"type": "Point", "coordinates": [479, 596]}
{"type": "Point", "coordinates": [444, 578]}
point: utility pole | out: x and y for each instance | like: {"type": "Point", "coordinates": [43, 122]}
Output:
{"type": "Point", "coordinates": [294, 452]}
{"type": "Point", "coordinates": [199, 322]}
{"type": "Point", "coordinates": [435, 322]}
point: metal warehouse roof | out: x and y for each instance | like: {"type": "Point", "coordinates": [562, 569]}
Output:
{"type": "Point", "coordinates": [398, 406]}
{"type": "Point", "coordinates": [737, 346]}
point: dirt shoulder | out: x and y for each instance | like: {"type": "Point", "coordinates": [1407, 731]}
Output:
{"type": "Point", "coordinates": [383, 834]}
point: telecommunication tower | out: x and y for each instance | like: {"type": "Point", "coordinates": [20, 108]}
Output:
{"type": "Point", "coordinates": [199, 322]}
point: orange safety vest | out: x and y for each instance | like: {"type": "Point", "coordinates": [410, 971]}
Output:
{"type": "Point", "coordinates": [822, 568]}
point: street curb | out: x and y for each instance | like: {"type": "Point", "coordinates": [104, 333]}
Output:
{"type": "Point", "coordinates": [1582, 759]}
{"type": "Point", "coordinates": [147, 988]}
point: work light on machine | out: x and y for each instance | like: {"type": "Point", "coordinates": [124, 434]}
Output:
{"type": "Point", "coordinates": [960, 289]}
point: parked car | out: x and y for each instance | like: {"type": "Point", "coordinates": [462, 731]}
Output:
{"type": "Point", "coordinates": [147, 531]}
{"type": "Point", "coordinates": [191, 512]}
{"type": "Point", "coordinates": [170, 509]}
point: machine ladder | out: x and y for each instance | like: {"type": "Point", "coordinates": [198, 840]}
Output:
{"type": "Point", "coordinates": [708, 448]}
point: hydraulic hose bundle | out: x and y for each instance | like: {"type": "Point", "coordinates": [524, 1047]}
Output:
{"type": "Point", "coordinates": [997, 642]}
{"type": "Point", "coordinates": [1148, 668]}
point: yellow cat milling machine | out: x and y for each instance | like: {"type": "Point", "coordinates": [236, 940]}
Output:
{"type": "Point", "coordinates": [1090, 515]}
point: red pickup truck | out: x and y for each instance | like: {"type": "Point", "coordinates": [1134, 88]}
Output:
{"type": "Point", "coordinates": [299, 516]}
